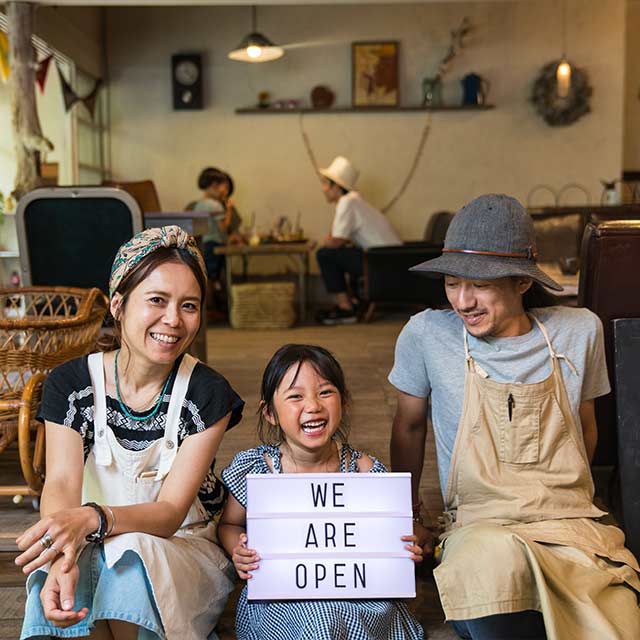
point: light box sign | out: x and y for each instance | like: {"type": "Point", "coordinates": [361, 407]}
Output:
{"type": "Point", "coordinates": [330, 535]}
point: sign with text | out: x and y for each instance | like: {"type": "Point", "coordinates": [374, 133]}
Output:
{"type": "Point", "coordinates": [330, 535]}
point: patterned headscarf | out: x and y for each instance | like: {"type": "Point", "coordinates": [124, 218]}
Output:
{"type": "Point", "coordinates": [146, 242]}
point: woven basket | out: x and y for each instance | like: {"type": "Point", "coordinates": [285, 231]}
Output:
{"type": "Point", "coordinates": [263, 305]}
{"type": "Point", "coordinates": [40, 328]}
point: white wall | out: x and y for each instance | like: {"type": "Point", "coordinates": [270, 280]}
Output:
{"type": "Point", "coordinates": [632, 89]}
{"type": "Point", "coordinates": [508, 149]}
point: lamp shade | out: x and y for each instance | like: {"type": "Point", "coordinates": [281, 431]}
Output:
{"type": "Point", "coordinates": [256, 48]}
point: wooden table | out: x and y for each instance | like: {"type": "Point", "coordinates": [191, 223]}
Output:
{"type": "Point", "coordinates": [298, 252]}
{"type": "Point", "coordinates": [196, 224]}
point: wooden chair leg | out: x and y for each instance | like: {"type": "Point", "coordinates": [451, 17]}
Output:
{"type": "Point", "coordinates": [32, 465]}
{"type": "Point", "coordinates": [368, 315]}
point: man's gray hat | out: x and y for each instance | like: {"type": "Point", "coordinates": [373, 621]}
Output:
{"type": "Point", "coordinates": [491, 237]}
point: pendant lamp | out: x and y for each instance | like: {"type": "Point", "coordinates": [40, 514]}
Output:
{"type": "Point", "coordinates": [563, 70]}
{"type": "Point", "coordinates": [256, 47]}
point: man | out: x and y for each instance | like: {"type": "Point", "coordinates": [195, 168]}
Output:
{"type": "Point", "coordinates": [512, 404]}
{"type": "Point", "coordinates": [356, 226]}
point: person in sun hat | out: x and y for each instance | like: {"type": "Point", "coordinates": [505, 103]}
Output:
{"type": "Point", "coordinates": [511, 380]}
{"type": "Point", "coordinates": [356, 226]}
{"type": "Point", "coordinates": [125, 546]}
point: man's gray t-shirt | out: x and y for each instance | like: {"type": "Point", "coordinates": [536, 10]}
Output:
{"type": "Point", "coordinates": [430, 360]}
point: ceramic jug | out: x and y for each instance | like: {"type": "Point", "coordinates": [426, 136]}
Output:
{"type": "Point", "coordinates": [475, 89]}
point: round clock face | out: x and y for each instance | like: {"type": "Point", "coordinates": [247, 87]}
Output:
{"type": "Point", "coordinates": [186, 72]}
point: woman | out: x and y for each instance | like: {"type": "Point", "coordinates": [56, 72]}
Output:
{"type": "Point", "coordinates": [224, 220]}
{"type": "Point", "coordinates": [131, 440]}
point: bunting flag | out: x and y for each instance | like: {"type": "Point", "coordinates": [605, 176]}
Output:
{"type": "Point", "coordinates": [4, 56]}
{"type": "Point", "coordinates": [42, 70]}
{"type": "Point", "coordinates": [90, 101]}
{"type": "Point", "coordinates": [71, 97]}
{"type": "Point", "coordinates": [68, 94]}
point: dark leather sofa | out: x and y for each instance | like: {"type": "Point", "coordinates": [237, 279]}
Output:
{"type": "Point", "coordinates": [387, 279]}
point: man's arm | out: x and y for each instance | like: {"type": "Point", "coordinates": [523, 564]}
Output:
{"type": "Point", "coordinates": [334, 243]}
{"type": "Point", "coordinates": [589, 427]}
{"type": "Point", "coordinates": [408, 438]}
{"type": "Point", "coordinates": [407, 453]}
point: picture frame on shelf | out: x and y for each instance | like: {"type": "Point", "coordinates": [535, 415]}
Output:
{"type": "Point", "coordinates": [374, 73]}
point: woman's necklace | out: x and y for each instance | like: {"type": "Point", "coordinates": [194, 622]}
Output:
{"type": "Point", "coordinates": [123, 406]}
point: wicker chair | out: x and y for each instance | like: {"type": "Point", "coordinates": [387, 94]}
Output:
{"type": "Point", "coordinates": [40, 328]}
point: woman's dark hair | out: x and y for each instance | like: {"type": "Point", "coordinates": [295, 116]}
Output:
{"type": "Point", "coordinates": [230, 183]}
{"type": "Point", "coordinates": [210, 176]}
{"type": "Point", "coordinates": [150, 262]}
{"type": "Point", "coordinates": [283, 359]}
{"type": "Point", "coordinates": [538, 296]}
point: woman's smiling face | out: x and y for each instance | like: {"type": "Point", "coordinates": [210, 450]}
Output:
{"type": "Point", "coordinates": [308, 408]}
{"type": "Point", "coordinates": [161, 315]}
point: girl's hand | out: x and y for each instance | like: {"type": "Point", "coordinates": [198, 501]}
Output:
{"type": "Point", "coordinates": [424, 538]}
{"type": "Point", "coordinates": [415, 548]}
{"type": "Point", "coordinates": [66, 530]}
{"type": "Point", "coordinates": [57, 596]}
{"type": "Point", "coordinates": [244, 560]}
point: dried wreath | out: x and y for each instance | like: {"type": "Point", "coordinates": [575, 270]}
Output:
{"type": "Point", "coordinates": [558, 111]}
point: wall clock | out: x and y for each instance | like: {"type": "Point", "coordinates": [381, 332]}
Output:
{"type": "Point", "coordinates": [186, 80]}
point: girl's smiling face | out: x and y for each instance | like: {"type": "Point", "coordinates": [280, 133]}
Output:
{"type": "Point", "coordinates": [307, 407]}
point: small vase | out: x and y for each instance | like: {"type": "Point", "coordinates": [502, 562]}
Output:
{"type": "Point", "coordinates": [432, 92]}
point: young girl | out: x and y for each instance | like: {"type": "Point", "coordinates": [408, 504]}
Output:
{"type": "Point", "coordinates": [302, 412]}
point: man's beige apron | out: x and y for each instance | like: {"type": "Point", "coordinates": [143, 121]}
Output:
{"type": "Point", "coordinates": [520, 528]}
{"type": "Point", "coordinates": [189, 574]}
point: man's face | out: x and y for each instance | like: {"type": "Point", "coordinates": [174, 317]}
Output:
{"type": "Point", "coordinates": [489, 307]}
{"type": "Point", "coordinates": [332, 192]}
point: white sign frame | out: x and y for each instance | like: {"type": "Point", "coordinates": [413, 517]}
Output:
{"type": "Point", "coordinates": [322, 536]}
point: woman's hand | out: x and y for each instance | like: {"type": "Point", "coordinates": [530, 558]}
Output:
{"type": "Point", "coordinates": [415, 548]}
{"type": "Point", "coordinates": [244, 560]}
{"type": "Point", "coordinates": [57, 596]}
{"type": "Point", "coordinates": [61, 533]}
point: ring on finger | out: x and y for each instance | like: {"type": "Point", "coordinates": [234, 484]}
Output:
{"type": "Point", "coordinates": [54, 549]}
{"type": "Point", "coordinates": [46, 541]}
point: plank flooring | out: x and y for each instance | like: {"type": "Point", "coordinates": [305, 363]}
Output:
{"type": "Point", "coordinates": [365, 352]}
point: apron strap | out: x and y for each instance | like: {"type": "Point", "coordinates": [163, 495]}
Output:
{"type": "Point", "coordinates": [472, 365]}
{"type": "Point", "coordinates": [172, 424]}
{"type": "Point", "coordinates": [101, 448]}
{"type": "Point", "coordinates": [554, 356]}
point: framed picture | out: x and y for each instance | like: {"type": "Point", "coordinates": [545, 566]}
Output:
{"type": "Point", "coordinates": [375, 74]}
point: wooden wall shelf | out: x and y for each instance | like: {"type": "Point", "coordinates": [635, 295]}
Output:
{"type": "Point", "coordinates": [281, 111]}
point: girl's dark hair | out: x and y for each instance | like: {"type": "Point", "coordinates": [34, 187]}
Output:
{"type": "Point", "coordinates": [150, 262]}
{"type": "Point", "coordinates": [283, 359]}
{"type": "Point", "coordinates": [538, 296]}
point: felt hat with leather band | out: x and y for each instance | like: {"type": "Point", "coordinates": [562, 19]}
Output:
{"type": "Point", "coordinates": [491, 237]}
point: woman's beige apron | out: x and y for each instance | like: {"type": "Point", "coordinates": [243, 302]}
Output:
{"type": "Point", "coordinates": [520, 530]}
{"type": "Point", "coordinates": [189, 574]}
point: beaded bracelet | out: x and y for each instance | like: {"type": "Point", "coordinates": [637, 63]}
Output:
{"type": "Point", "coordinates": [98, 535]}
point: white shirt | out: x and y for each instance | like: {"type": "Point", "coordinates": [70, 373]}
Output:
{"type": "Point", "coordinates": [358, 221]}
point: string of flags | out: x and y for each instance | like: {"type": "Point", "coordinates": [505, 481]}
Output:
{"type": "Point", "coordinates": [69, 96]}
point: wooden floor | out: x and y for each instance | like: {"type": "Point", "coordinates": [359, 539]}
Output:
{"type": "Point", "coordinates": [366, 353]}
